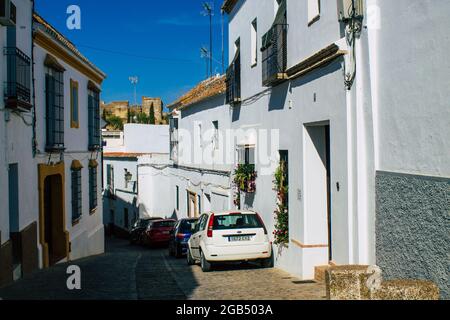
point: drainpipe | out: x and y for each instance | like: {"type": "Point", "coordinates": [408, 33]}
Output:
{"type": "Point", "coordinates": [34, 141]}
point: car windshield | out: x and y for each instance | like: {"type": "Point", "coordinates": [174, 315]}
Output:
{"type": "Point", "coordinates": [144, 223]}
{"type": "Point", "coordinates": [237, 221]}
{"type": "Point", "coordinates": [163, 224]}
{"type": "Point", "coordinates": [186, 226]}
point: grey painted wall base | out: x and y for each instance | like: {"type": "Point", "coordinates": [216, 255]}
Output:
{"type": "Point", "coordinates": [413, 228]}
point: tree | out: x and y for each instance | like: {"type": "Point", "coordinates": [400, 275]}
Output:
{"type": "Point", "coordinates": [142, 118]}
{"type": "Point", "coordinates": [152, 115]}
{"type": "Point", "coordinates": [115, 122]}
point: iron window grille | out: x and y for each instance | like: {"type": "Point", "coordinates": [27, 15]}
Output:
{"type": "Point", "coordinates": [94, 120]}
{"type": "Point", "coordinates": [18, 85]}
{"type": "Point", "coordinates": [76, 195]}
{"type": "Point", "coordinates": [233, 80]}
{"type": "Point", "coordinates": [274, 49]}
{"type": "Point", "coordinates": [54, 101]}
{"type": "Point", "coordinates": [93, 200]}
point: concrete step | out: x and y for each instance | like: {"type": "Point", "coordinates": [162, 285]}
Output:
{"type": "Point", "coordinates": [319, 273]}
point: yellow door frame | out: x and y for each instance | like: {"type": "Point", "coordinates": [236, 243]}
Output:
{"type": "Point", "coordinates": [45, 171]}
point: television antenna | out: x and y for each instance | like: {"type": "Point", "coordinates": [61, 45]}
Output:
{"type": "Point", "coordinates": [209, 12]}
{"type": "Point", "coordinates": [134, 82]}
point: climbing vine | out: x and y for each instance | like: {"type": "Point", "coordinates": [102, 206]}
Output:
{"type": "Point", "coordinates": [281, 232]}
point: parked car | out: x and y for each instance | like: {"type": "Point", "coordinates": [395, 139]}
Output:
{"type": "Point", "coordinates": [230, 237]}
{"type": "Point", "coordinates": [138, 229]}
{"type": "Point", "coordinates": [180, 236]}
{"type": "Point", "coordinates": [158, 232]}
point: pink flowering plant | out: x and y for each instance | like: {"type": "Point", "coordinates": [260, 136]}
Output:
{"type": "Point", "coordinates": [244, 181]}
{"type": "Point", "coordinates": [281, 212]}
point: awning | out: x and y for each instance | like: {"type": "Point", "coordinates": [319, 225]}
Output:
{"type": "Point", "coordinates": [76, 165]}
{"type": "Point", "coordinates": [53, 63]}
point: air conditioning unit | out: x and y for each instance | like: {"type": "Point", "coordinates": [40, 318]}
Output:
{"type": "Point", "coordinates": [345, 9]}
{"type": "Point", "coordinates": [7, 13]}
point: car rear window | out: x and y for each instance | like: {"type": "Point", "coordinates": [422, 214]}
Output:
{"type": "Point", "coordinates": [163, 224]}
{"type": "Point", "coordinates": [237, 221]}
{"type": "Point", "coordinates": [186, 226]}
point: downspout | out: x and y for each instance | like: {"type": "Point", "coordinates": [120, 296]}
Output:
{"type": "Point", "coordinates": [34, 140]}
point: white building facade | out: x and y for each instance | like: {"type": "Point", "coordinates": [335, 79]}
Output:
{"type": "Point", "coordinates": [343, 84]}
{"type": "Point", "coordinates": [123, 154]}
{"type": "Point", "coordinates": [51, 146]}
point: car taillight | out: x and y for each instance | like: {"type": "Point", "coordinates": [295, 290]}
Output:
{"type": "Point", "coordinates": [210, 226]}
{"type": "Point", "coordinates": [261, 222]}
{"type": "Point", "coordinates": [181, 236]}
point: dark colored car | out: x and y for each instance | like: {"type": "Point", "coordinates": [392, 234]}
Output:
{"type": "Point", "coordinates": [158, 232]}
{"type": "Point", "coordinates": [180, 236]}
{"type": "Point", "coordinates": [137, 232]}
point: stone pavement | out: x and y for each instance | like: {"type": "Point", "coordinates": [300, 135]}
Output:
{"type": "Point", "coordinates": [127, 272]}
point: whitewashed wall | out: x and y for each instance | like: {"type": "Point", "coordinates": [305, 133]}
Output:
{"type": "Point", "coordinates": [87, 237]}
{"type": "Point", "coordinates": [16, 135]}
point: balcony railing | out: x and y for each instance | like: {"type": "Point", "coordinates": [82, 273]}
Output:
{"type": "Point", "coordinates": [18, 84]}
{"type": "Point", "coordinates": [233, 81]}
{"type": "Point", "coordinates": [274, 55]}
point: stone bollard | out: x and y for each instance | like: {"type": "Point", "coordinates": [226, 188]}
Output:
{"type": "Point", "coordinates": [347, 282]}
{"type": "Point", "coordinates": [406, 290]}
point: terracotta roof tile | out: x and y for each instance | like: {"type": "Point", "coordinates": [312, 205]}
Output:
{"type": "Point", "coordinates": [204, 90]}
{"type": "Point", "coordinates": [55, 34]}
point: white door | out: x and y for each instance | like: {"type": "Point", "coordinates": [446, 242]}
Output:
{"type": "Point", "coordinates": [196, 238]}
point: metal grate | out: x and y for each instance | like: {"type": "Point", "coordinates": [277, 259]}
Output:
{"type": "Point", "coordinates": [54, 95]}
{"type": "Point", "coordinates": [93, 201]}
{"type": "Point", "coordinates": [233, 81]}
{"type": "Point", "coordinates": [18, 84]}
{"type": "Point", "coordinates": [94, 120]}
{"type": "Point", "coordinates": [76, 195]}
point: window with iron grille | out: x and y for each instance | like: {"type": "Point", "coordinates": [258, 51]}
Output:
{"type": "Point", "coordinates": [54, 101]}
{"type": "Point", "coordinates": [274, 49]}
{"type": "Point", "coordinates": [76, 195]}
{"type": "Point", "coordinates": [94, 120]}
{"type": "Point", "coordinates": [233, 78]}
{"type": "Point", "coordinates": [18, 75]}
{"type": "Point", "coordinates": [93, 201]}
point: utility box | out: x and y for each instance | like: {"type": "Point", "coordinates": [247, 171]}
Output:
{"type": "Point", "coordinates": [346, 7]}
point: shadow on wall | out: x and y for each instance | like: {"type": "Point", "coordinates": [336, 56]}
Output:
{"type": "Point", "coordinates": [114, 216]}
{"type": "Point", "coordinates": [330, 68]}
{"type": "Point", "coordinates": [278, 97]}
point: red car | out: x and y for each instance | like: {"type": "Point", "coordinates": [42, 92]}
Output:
{"type": "Point", "coordinates": [158, 232]}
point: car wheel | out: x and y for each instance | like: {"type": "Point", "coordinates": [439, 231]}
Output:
{"type": "Point", "coordinates": [268, 263]}
{"type": "Point", "coordinates": [205, 264]}
{"type": "Point", "coordinates": [190, 260]}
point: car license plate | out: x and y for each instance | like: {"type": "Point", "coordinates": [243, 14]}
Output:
{"type": "Point", "coordinates": [166, 232]}
{"type": "Point", "coordinates": [239, 238]}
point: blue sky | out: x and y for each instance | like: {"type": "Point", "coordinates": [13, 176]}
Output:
{"type": "Point", "coordinates": [158, 41]}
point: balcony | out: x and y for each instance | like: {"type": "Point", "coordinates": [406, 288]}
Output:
{"type": "Point", "coordinates": [274, 55]}
{"type": "Point", "coordinates": [233, 81]}
{"type": "Point", "coordinates": [18, 84]}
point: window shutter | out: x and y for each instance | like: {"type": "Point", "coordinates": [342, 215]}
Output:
{"type": "Point", "coordinates": [313, 10]}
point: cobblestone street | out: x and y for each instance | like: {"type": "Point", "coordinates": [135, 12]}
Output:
{"type": "Point", "coordinates": [127, 272]}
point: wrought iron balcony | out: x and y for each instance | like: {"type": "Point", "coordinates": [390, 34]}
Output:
{"type": "Point", "coordinates": [274, 55]}
{"type": "Point", "coordinates": [18, 84]}
{"type": "Point", "coordinates": [233, 81]}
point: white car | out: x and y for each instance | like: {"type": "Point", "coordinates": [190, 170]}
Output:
{"type": "Point", "coordinates": [229, 237]}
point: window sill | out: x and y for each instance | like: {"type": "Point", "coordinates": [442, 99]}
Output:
{"type": "Point", "coordinates": [254, 65]}
{"type": "Point", "coordinates": [93, 211]}
{"type": "Point", "coordinates": [76, 222]}
{"type": "Point", "coordinates": [313, 20]}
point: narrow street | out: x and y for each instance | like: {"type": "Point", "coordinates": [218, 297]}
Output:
{"type": "Point", "coordinates": [127, 272]}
